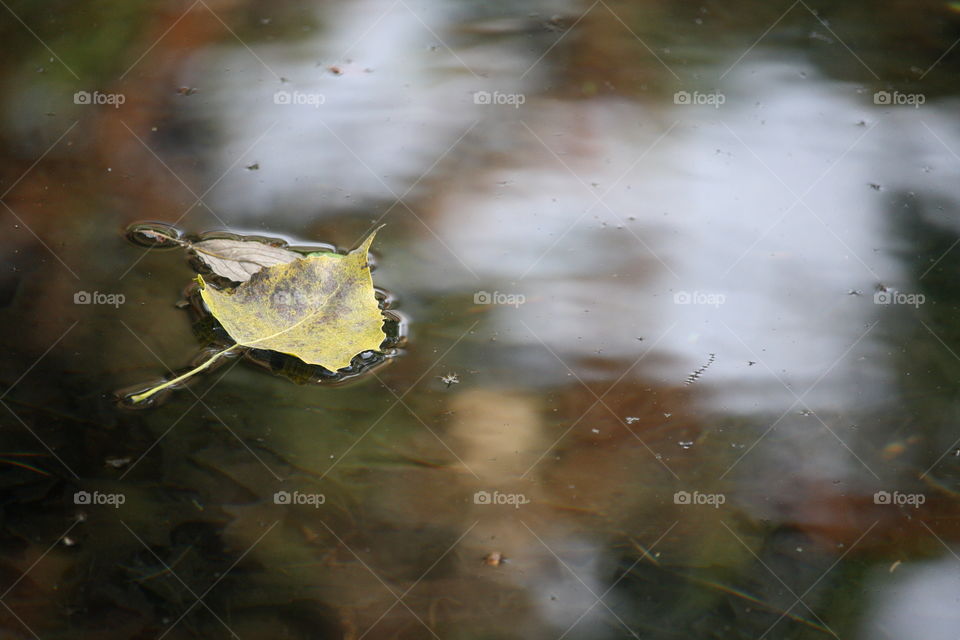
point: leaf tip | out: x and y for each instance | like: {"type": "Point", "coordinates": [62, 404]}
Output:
{"type": "Point", "coordinates": [364, 246]}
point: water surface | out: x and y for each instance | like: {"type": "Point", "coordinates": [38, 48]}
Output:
{"type": "Point", "coordinates": [682, 339]}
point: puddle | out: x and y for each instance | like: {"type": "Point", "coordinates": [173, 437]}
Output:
{"type": "Point", "coordinates": [685, 345]}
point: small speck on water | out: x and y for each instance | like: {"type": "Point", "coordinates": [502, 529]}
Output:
{"type": "Point", "coordinates": [450, 379]}
{"type": "Point", "coordinates": [117, 463]}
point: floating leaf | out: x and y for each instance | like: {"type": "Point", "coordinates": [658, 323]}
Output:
{"type": "Point", "coordinates": [237, 260]}
{"type": "Point", "coordinates": [321, 309]}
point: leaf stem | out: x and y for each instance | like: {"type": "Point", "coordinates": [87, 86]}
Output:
{"type": "Point", "coordinates": [140, 397]}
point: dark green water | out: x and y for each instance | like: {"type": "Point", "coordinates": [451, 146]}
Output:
{"type": "Point", "coordinates": [682, 344]}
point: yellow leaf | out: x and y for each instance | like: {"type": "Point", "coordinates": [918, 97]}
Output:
{"type": "Point", "coordinates": [321, 309]}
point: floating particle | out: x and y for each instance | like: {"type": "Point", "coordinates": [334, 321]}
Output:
{"type": "Point", "coordinates": [449, 379]}
{"type": "Point", "coordinates": [117, 463]}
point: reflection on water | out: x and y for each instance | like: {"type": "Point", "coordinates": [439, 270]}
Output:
{"type": "Point", "coordinates": [682, 338]}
